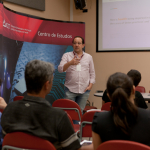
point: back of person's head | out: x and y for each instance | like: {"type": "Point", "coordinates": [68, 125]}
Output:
{"type": "Point", "coordinates": [120, 90]}
{"type": "Point", "coordinates": [135, 76]}
{"type": "Point", "coordinates": [37, 72]}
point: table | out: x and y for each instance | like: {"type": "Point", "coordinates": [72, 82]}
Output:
{"type": "Point", "coordinates": [99, 94]}
{"type": "Point", "coordinates": [146, 96]}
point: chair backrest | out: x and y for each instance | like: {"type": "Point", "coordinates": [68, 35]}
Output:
{"type": "Point", "coordinates": [88, 108]}
{"type": "Point", "coordinates": [18, 98]}
{"type": "Point", "coordinates": [122, 145]}
{"type": "Point", "coordinates": [22, 141]}
{"type": "Point", "coordinates": [71, 107]}
{"type": "Point", "coordinates": [86, 124]}
{"type": "Point", "coordinates": [106, 106]}
{"type": "Point", "coordinates": [141, 89]}
{"type": "Point", "coordinates": [70, 119]}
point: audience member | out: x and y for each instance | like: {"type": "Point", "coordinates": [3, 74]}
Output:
{"type": "Point", "coordinates": [2, 106]}
{"type": "Point", "coordinates": [34, 115]}
{"type": "Point", "coordinates": [139, 100]}
{"type": "Point", "coordinates": [0, 85]}
{"type": "Point", "coordinates": [136, 77]}
{"type": "Point", "coordinates": [125, 121]}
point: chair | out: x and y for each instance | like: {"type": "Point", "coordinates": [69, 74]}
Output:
{"type": "Point", "coordinates": [88, 108]}
{"type": "Point", "coordinates": [70, 119]}
{"type": "Point", "coordinates": [72, 108]}
{"type": "Point", "coordinates": [141, 89]}
{"type": "Point", "coordinates": [122, 145]}
{"type": "Point", "coordinates": [106, 106]}
{"type": "Point", "coordinates": [23, 141]}
{"type": "Point", "coordinates": [86, 124]}
{"type": "Point", "coordinates": [18, 98]}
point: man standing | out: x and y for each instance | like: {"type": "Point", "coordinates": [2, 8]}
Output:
{"type": "Point", "coordinates": [80, 73]}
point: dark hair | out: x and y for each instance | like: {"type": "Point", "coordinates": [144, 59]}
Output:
{"type": "Point", "coordinates": [37, 72]}
{"type": "Point", "coordinates": [119, 88]}
{"type": "Point", "coordinates": [0, 81]}
{"type": "Point", "coordinates": [135, 76]}
{"type": "Point", "coordinates": [78, 37]}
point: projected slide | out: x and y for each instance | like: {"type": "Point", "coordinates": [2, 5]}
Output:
{"type": "Point", "coordinates": [125, 25]}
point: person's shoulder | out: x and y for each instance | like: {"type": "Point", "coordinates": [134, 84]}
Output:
{"type": "Point", "coordinates": [144, 113]}
{"type": "Point", "coordinates": [13, 103]}
{"type": "Point", "coordinates": [102, 115]}
{"type": "Point", "coordinates": [105, 93]}
{"type": "Point", "coordinates": [57, 111]}
{"type": "Point", "coordinates": [11, 107]}
{"type": "Point", "coordinates": [137, 93]}
{"type": "Point", "coordinates": [87, 54]}
{"type": "Point", "coordinates": [141, 110]}
{"type": "Point", "coordinates": [68, 53]}
{"type": "Point", "coordinates": [102, 118]}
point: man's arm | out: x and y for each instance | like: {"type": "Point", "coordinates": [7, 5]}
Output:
{"type": "Point", "coordinates": [92, 75]}
{"type": "Point", "coordinates": [87, 147]}
{"type": "Point", "coordinates": [67, 137]}
{"type": "Point", "coordinates": [92, 71]}
{"type": "Point", "coordinates": [3, 104]}
{"type": "Point", "coordinates": [74, 61]}
{"type": "Point", "coordinates": [65, 64]}
{"type": "Point", "coordinates": [96, 140]}
{"type": "Point", "coordinates": [89, 87]}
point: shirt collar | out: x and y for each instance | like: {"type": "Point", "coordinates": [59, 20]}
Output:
{"type": "Point", "coordinates": [74, 53]}
{"type": "Point", "coordinates": [35, 99]}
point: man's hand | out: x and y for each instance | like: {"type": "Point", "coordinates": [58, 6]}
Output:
{"type": "Point", "coordinates": [3, 104]}
{"type": "Point", "coordinates": [74, 61]}
{"type": "Point", "coordinates": [89, 87]}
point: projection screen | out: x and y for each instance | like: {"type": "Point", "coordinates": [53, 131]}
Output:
{"type": "Point", "coordinates": [123, 25]}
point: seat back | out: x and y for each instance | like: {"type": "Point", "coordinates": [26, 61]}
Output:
{"type": "Point", "coordinates": [141, 89]}
{"type": "Point", "coordinates": [18, 98]}
{"type": "Point", "coordinates": [88, 108]}
{"type": "Point", "coordinates": [24, 141]}
{"type": "Point", "coordinates": [71, 107]}
{"type": "Point", "coordinates": [86, 124]}
{"type": "Point", "coordinates": [122, 145]}
{"type": "Point", "coordinates": [106, 106]}
{"type": "Point", "coordinates": [70, 120]}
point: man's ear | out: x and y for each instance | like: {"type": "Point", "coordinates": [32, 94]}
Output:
{"type": "Point", "coordinates": [83, 45]}
{"type": "Point", "coordinates": [46, 85]}
{"type": "Point", "coordinates": [133, 91]}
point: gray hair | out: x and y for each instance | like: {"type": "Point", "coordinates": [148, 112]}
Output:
{"type": "Point", "coordinates": [37, 72]}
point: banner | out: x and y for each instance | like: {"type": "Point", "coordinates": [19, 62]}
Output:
{"type": "Point", "coordinates": [24, 38]}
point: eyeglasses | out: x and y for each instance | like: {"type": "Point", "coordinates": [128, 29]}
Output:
{"type": "Point", "coordinates": [77, 43]}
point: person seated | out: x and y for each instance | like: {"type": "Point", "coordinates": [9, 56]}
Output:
{"type": "Point", "coordinates": [136, 78]}
{"type": "Point", "coordinates": [34, 115]}
{"type": "Point", "coordinates": [139, 100]}
{"type": "Point", "coordinates": [125, 121]}
{"type": "Point", "coordinates": [3, 104]}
